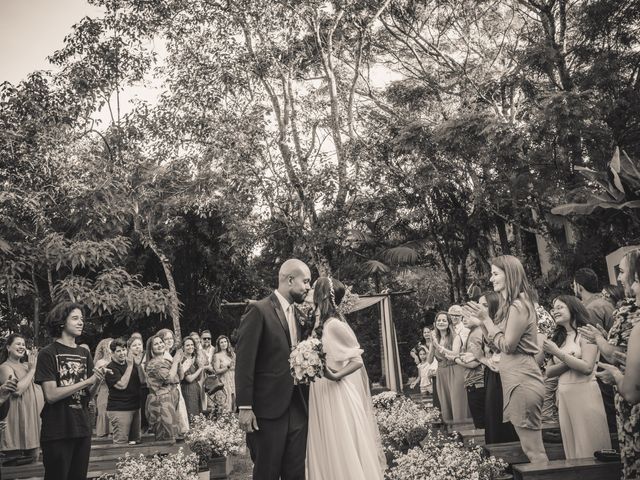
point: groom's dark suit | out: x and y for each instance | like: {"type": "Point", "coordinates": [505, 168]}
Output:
{"type": "Point", "coordinates": [264, 383]}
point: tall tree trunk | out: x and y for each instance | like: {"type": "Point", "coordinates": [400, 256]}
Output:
{"type": "Point", "coordinates": [502, 233]}
{"type": "Point", "coordinates": [36, 307]}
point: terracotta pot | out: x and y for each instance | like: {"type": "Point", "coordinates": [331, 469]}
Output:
{"type": "Point", "coordinates": [219, 468]}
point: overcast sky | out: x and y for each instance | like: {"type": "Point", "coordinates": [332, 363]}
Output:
{"type": "Point", "coordinates": [31, 30]}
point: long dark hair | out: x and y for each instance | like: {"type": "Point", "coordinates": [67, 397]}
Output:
{"type": "Point", "coordinates": [229, 348]}
{"type": "Point", "coordinates": [579, 318]}
{"type": "Point", "coordinates": [516, 285]}
{"type": "Point", "coordinates": [493, 304]}
{"type": "Point", "coordinates": [450, 332]}
{"type": "Point", "coordinates": [196, 351]}
{"type": "Point", "coordinates": [4, 353]}
{"type": "Point", "coordinates": [327, 295]}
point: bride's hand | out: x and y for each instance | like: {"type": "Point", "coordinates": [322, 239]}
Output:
{"type": "Point", "coordinates": [331, 374]}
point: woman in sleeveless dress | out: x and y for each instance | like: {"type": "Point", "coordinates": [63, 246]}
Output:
{"type": "Point", "coordinates": [191, 372]}
{"type": "Point", "coordinates": [445, 345]}
{"type": "Point", "coordinates": [21, 437]}
{"type": "Point", "coordinates": [343, 439]}
{"type": "Point", "coordinates": [583, 421]}
{"type": "Point", "coordinates": [517, 342]}
{"type": "Point", "coordinates": [102, 358]}
{"type": "Point", "coordinates": [169, 340]}
{"type": "Point", "coordinates": [224, 364]}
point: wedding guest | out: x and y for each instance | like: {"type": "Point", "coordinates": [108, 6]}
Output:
{"type": "Point", "coordinates": [473, 372]}
{"type": "Point", "coordinates": [207, 348]}
{"type": "Point", "coordinates": [425, 342]}
{"type": "Point", "coordinates": [169, 340]}
{"type": "Point", "coordinates": [426, 371]}
{"type": "Point", "coordinates": [455, 314]}
{"type": "Point", "coordinates": [224, 364]}
{"type": "Point", "coordinates": [585, 287]}
{"type": "Point", "coordinates": [135, 346]}
{"type": "Point", "coordinates": [516, 337]}
{"type": "Point", "coordinates": [192, 371]}
{"type": "Point", "coordinates": [123, 405]}
{"type": "Point", "coordinates": [22, 435]}
{"type": "Point", "coordinates": [624, 320]}
{"type": "Point", "coordinates": [445, 345]}
{"type": "Point", "coordinates": [495, 429]}
{"type": "Point", "coordinates": [7, 389]}
{"type": "Point", "coordinates": [578, 395]}
{"type": "Point", "coordinates": [614, 294]}
{"type": "Point", "coordinates": [102, 358]}
{"type": "Point", "coordinates": [163, 381]}
{"type": "Point", "coordinates": [68, 379]}
{"type": "Point", "coordinates": [627, 383]}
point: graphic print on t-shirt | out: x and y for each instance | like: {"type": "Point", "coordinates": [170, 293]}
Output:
{"type": "Point", "coordinates": [72, 369]}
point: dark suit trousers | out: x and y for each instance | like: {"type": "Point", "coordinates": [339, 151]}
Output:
{"type": "Point", "coordinates": [279, 448]}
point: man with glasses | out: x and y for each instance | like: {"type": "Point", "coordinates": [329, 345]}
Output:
{"type": "Point", "coordinates": [207, 348]}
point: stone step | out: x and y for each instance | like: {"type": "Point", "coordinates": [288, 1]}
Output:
{"type": "Point", "coordinates": [574, 469]}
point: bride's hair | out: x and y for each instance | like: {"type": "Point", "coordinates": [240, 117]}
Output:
{"type": "Point", "coordinates": [327, 295]}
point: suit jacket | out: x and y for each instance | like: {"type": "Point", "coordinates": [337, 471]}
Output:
{"type": "Point", "coordinates": [263, 378]}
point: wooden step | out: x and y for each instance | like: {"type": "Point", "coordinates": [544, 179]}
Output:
{"type": "Point", "coordinates": [459, 426]}
{"type": "Point", "coordinates": [474, 436]}
{"type": "Point", "coordinates": [512, 452]}
{"type": "Point", "coordinates": [146, 438]}
{"type": "Point", "coordinates": [574, 469]}
{"type": "Point", "coordinates": [103, 459]}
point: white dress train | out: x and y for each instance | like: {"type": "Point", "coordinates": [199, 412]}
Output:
{"type": "Point", "coordinates": [343, 441]}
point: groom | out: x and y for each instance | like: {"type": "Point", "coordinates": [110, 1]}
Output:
{"type": "Point", "coordinates": [273, 411]}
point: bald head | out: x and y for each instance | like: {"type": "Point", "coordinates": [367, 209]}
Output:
{"type": "Point", "coordinates": [294, 280]}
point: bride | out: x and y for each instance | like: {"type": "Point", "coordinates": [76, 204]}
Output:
{"type": "Point", "coordinates": [343, 440]}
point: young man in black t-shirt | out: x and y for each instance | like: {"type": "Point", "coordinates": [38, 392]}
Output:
{"type": "Point", "coordinates": [65, 372]}
{"type": "Point", "coordinates": [123, 405]}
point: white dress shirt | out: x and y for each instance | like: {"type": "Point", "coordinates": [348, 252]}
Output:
{"type": "Point", "coordinates": [290, 316]}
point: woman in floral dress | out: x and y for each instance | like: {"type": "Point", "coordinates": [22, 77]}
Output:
{"type": "Point", "coordinates": [163, 381]}
{"type": "Point", "coordinates": [624, 319]}
{"type": "Point", "coordinates": [224, 364]}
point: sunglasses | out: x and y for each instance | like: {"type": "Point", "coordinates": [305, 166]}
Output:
{"type": "Point", "coordinates": [206, 338]}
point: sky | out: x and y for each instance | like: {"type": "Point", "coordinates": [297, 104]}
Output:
{"type": "Point", "coordinates": [31, 30]}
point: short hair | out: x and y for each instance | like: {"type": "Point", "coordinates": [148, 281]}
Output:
{"type": "Point", "coordinates": [57, 317]}
{"type": "Point", "coordinates": [205, 331]}
{"type": "Point", "coordinates": [118, 342]}
{"type": "Point", "coordinates": [587, 278]}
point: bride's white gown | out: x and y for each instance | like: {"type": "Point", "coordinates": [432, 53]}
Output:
{"type": "Point", "coordinates": [343, 441]}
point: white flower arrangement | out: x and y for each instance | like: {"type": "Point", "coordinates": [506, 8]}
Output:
{"type": "Point", "coordinates": [209, 438]}
{"type": "Point", "coordinates": [348, 302]}
{"type": "Point", "coordinates": [437, 460]}
{"type": "Point", "coordinates": [307, 361]}
{"type": "Point", "coordinates": [176, 466]}
{"type": "Point", "coordinates": [402, 422]}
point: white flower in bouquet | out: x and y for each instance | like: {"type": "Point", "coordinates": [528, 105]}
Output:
{"type": "Point", "coordinates": [307, 361]}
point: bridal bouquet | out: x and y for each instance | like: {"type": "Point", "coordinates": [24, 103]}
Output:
{"type": "Point", "coordinates": [307, 361]}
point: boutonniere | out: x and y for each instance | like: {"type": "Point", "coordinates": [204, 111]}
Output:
{"type": "Point", "coordinates": [302, 313]}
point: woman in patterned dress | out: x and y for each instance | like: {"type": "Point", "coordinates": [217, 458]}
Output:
{"type": "Point", "coordinates": [224, 364]}
{"type": "Point", "coordinates": [190, 383]}
{"type": "Point", "coordinates": [624, 319]}
{"type": "Point", "coordinates": [102, 358]}
{"type": "Point", "coordinates": [163, 381]}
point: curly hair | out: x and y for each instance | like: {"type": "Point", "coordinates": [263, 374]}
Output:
{"type": "Point", "coordinates": [327, 295]}
{"type": "Point", "coordinates": [57, 317]}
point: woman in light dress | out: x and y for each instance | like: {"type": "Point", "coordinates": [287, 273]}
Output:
{"type": "Point", "coordinates": [169, 340]}
{"type": "Point", "coordinates": [583, 422]}
{"type": "Point", "coordinates": [224, 364]}
{"type": "Point", "coordinates": [102, 358]}
{"type": "Point", "coordinates": [343, 440]}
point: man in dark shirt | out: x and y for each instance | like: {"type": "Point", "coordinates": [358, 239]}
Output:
{"type": "Point", "coordinates": [65, 372]}
{"type": "Point", "coordinates": [123, 405]}
{"type": "Point", "coordinates": [585, 286]}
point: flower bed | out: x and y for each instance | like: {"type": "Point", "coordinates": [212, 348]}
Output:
{"type": "Point", "coordinates": [215, 437]}
{"type": "Point", "coordinates": [177, 466]}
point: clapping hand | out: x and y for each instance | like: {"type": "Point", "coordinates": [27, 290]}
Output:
{"type": "Point", "coordinates": [7, 388]}
{"type": "Point", "coordinates": [32, 358]}
{"type": "Point", "coordinates": [475, 313]}
{"type": "Point", "coordinates": [620, 357]}
{"type": "Point", "coordinates": [590, 333]}
{"type": "Point", "coordinates": [467, 357]}
{"type": "Point", "coordinates": [551, 348]}
{"type": "Point", "coordinates": [609, 373]}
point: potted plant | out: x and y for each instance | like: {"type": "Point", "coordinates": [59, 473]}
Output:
{"type": "Point", "coordinates": [213, 439]}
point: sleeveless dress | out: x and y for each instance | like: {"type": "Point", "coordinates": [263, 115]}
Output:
{"type": "Point", "coordinates": [191, 393]}
{"type": "Point", "coordinates": [163, 399]}
{"type": "Point", "coordinates": [583, 422]}
{"type": "Point", "coordinates": [22, 430]}
{"type": "Point", "coordinates": [221, 361]}
{"type": "Point", "coordinates": [343, 440]}
{"type": "Point", "coordinates": [102, 397]}
{"type": "Point", "coordinates": [522, 383]}
{"type": "Point", "coordinates": [454, 406]}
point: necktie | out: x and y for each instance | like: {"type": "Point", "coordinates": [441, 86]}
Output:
{"type": "Point", "coordinates": [291, 321]}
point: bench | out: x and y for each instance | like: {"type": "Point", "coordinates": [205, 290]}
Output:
{"type": "Point", "coordinates": [512, 452]}
{"type": "Point", "coordinates": [574, 469]}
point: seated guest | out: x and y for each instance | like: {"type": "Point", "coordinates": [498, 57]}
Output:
{"type": "Point", "coordinates": [450, 377]}
{"type": "Point", "coordinates": [102, 359]}
{"type": "Point", "coordinates": [192, 371]}
{"type": "Point", "coordinates": [123, 404]}
{"type": "Point", "coordinates": [473, 372]}
{"type": "Point", "coordinates": [22, 435]}
{"type": "Point", "coordinates": [163, 381]}
{"type": "Point", "coordinates": [585, 287]}
{"type": "Point", "coordinates": [224, 364]}
{"type": "Point", "coordinates": [583, 422]}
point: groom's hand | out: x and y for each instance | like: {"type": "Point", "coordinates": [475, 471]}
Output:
{"type": "Point", "coordinates": [248, 421]}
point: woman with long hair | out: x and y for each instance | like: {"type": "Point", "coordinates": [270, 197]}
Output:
{"type": "Point", "coordinates": [102, 358]}
{"type": "Point", "coordinates": [343, 439]}
{"type": "Point", "coordinates": [169, 340]}
{"type": "Point", "coordinates": [192, 371]}
{"type": "Point", "coordinates": [614, 348]}
{"type": "Point", "coordinates": [21, 437]}
{"type": "Point", "coordinates": [445, 346]}
{"type": "Point", "coordinates": [163, 381]}
{"type": "Point", "coordinates": [583, 422]}
{"type": "Point", "coordinates": [224, 364]}
{"type": "Point", "coordinates": [515, 336]}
